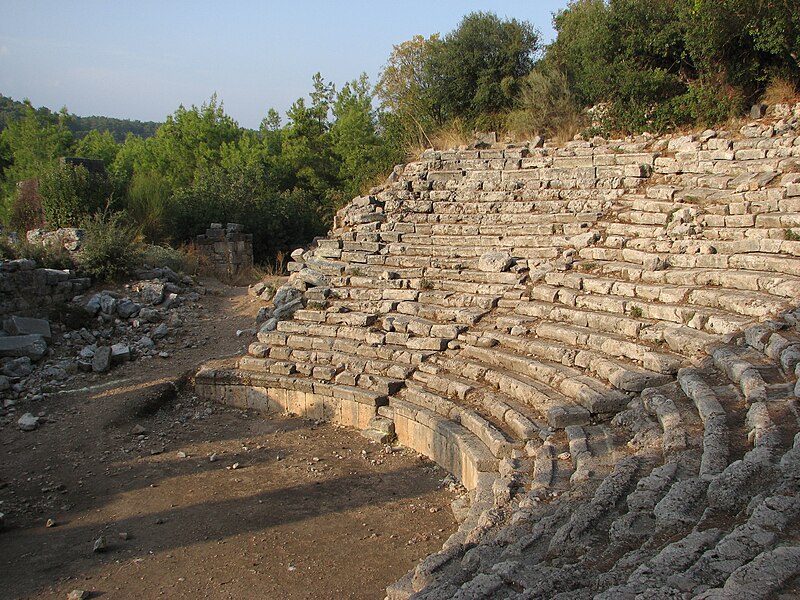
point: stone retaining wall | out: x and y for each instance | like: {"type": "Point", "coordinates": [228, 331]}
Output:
{"type": "Point", "coordinates": [228, 250]}
{"type": "Point", "coordinates": [26, 289]}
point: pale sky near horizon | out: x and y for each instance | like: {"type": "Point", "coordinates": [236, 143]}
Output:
{"type": "Point", "coordinates": [141, 59]}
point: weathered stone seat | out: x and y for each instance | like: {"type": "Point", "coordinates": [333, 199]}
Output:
{"type": "Point", "coordinates": [599, 339]}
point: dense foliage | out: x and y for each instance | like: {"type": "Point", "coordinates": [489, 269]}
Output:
{"type": "Point", "coordinates": [284, 181]}
{"type": "Point", "coordinates": [662, 63]}
{"type": "Point", "coordinates": [12, 110]}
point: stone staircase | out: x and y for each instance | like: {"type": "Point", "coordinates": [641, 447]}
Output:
{"type": "Point", "coordinates": [600, 340]}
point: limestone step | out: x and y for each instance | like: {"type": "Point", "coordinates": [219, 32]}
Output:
{"type": "Point", "coordinates": [547, 404]}
{"type": "Point", "coordinates": [281, 345]}
{"type": "Point", "coordinates": [741, 302]}
{"type": "Point", "coordinates": [420, 327]}
{"type": "Point", "coordinates": [370, 378]}
{"type": "Point", "coordinates": [493, 437]}
{"type": "Point", "coordinates": [618, 372]}
{"type": "Point", "coordinates": [713, 320]}
{"type": "Point", "coordinates": [590, 451]}
{"type": "Point", "coordinates": [448, 443]}
{"type": "Point", "coordinates": [715, 429]}
{"type": "Point", "coordinates": [653, 359]}
{"type": "Point", "coordinates": [582, 389]}
{"type": "Point", "coordinates": [435, 312]}
{"type": "Point", "coordinates": [784, 286]}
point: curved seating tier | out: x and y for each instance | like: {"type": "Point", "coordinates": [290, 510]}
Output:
{"type": "Point", "coordinates": [600, 340]}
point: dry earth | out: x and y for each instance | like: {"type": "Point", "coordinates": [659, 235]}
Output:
{"type": "Point", "coordinates": [195, 500]}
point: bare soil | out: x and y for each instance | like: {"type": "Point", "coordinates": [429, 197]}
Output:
{"type": "Point", "coordinates": [197, 500]}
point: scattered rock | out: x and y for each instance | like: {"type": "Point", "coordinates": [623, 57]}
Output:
{"type": "Point", "coordinates": [100, 544]}
{"type": "Point", "coordinates": [126, 308]}
{"type": "Point", "coordinates": [120, 353]}
{"type": "Point", "coordinates": [495, 262]}
{"type": "Point", "coordinates": [18, 367]}
{"type": "Point", "coordinates": [151, 292]}
{"type": "Point", "coordinates": [26, 326]}
{"type": "Point", "coordinates": [28, 422]}
{"type": "Point", "coordinates": [160, 332]}
{"type": "Point", "coordinates": [33, 346]}
{"type": "Point", "coordinates": [101, 361]}
{"type": "Point", "coordinates": [78, 595]}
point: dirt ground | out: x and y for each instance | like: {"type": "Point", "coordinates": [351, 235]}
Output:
{"type": "Point", "coordinates": [197, 500]}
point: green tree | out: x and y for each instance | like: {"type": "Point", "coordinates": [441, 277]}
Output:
{"type": "Point", "coordinates": [405, 90]}
{"type": "Point", "coordinates": [745, 42]}
{"type": "Point", "coordinates": [190, 140]}
{"type": "Point", "coordinates": [354, 135]}
{"type": "Point", "coordinates": [306, 149]}
{"type": "Point", "coordinates": [70, 194]}
{"type": "Point", "coordinates": [99, 146]}
{"type": "Point", "coordinates": [477, 68]}
{"type": "Point", "coordinates": [33, 144]}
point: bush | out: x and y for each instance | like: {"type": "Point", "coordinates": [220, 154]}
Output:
{"type": "Point", "coordinates": [48, 256]}
{"type": "Point", "coordinates": [181, 260]}
{"type": "Point", "coordinates": [26, 211]}
{"type": "Point", "coordinates": [545, 106]}
{"type": "Point", "coordinates": [112, 248]}
{"type": "Point", "coordinates": [70, 193]}
{"type": "Point", "coordinates": [148, 204]}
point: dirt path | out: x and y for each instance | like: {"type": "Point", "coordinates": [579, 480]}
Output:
{"type": "Point", "coordinates": [286, 509]}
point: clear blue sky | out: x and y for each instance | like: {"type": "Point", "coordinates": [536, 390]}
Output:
{"type": "Point", "coordinates": [141, 59]}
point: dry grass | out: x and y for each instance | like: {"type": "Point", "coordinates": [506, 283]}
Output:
{"type": "Point", "coordinates": [452, 135]}
{"type": "Point", "coordinates": [780, 91]}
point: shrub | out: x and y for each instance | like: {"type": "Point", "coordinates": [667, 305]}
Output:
{"type": "Point", "coordinates": [545, 106]}
{"type": "Point", "coordinates": [181, 260]}
{"type": "Point", "coordinates": [70, 193]}
{"type": "Point", "coordinates": [780, 91]}
{"type": "Point", "coordinates": [148, 204]}
{"type": "Point", "coordinates": [48, 256]}
{"type": "Point", "coordinates": [112, 248]}
{"type": "Point", "coordinates": [26, 211]}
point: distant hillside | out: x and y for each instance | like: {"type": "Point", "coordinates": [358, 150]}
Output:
{"type": "Point", "coordinates": [11, 109]}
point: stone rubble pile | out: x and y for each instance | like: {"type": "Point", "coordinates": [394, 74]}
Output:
{"type": "Point", "coordinates": [39, 357]}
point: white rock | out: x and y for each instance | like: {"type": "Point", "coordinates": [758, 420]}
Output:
{"type": "Point", "coordinates": [28, 422]}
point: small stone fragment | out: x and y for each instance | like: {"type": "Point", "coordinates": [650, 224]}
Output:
{"type": "Point", "coordinates": [78, 595]}
{"type": "Point", "coordinates": [100, 544]}
{"type": "Point", "coordinates": [101, 361]}
{"type": "Point", "coordinates": [28, 422]}
{"type": "Point", "coordinates": [50, 523]}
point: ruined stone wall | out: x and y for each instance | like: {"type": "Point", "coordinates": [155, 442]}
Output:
{"type": "Point", "coordinates": [26, 288]}
{"type": "Point", "coordinates": [228, 250]}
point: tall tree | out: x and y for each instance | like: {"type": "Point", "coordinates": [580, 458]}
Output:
{"type": "Point", "coordinates": [478, 67]}
{"type": "Point", "coordinates": [99, 146]}
{"type": "Point", "coordinates": [33, 143]}
{"type": "Point", "coordinates": [404, 89]}
{"type": "Point", "coordinates": [190, 139]}
{"type": "Point", "coordinates": [355, 137]}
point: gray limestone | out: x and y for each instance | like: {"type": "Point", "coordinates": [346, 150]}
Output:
{"type": "Point", "coordinates": [495, 262]}
{"type": "Point", "coordinates": [27, 326]}
{"type": "Point", "coordinates": [101, 361]}
{"type": "Point", "coordinates": [32, 346]}
{"type": "Point", "coordinates": [28, 422]}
